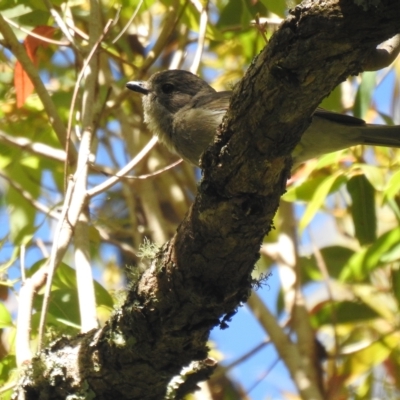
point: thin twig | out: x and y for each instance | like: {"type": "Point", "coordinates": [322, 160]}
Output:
{"type": "Point", "coordinates": [22, 338]}
{"type": "Point", "coordinates": [198, 5]}
{"type": "Point", "coordinates": [43, 150]}
{"type": "Point", "coordinates": [42, 247]}
{"type": "Point", "coordinates": [104, 46]}
{"type": "Point", "coordinates": [263, 376]}
{"type": "Point", "coordinates": [29, 198]}
{"type": "Point", "coordinates": [325, 276]}
{"type": "Point", "coordinates": [22, 262]}
{"type": "Point", "coordinates": [8, 387]}
{"type": "Point", "coordinates": [60, 22]}
{"type": "Point", "coordinates": [84, 276]}
{"type": "Point", "coordinates": [155, 173]}
{"type": "Point", "coordinates": [79, 32]}
{"type": "Point", "coordinates": [202, 36]}
{"type": "Point", "coordinates": [40, 149]}
{"type": "Point", "coordinates": [122, 172]}
{"type": "Point", "coordinates": [54, 256]}
{"type": "Point", "coordinates": [79, 203]}
{"type": "Point", "coordinates": [35, 35]}
{"type": "Point", "coordinates": [124, 247]}
{"type": "Point", "coordinates": [170, 23]}
{"type": "Point", "coordinates": [123, 30]}
{"type": "Point", "coordinates": [243, 358]}
{"type": "Point", "coordinates": [261, 28]}
{"type": "Point", "coordinates": [74, 96]}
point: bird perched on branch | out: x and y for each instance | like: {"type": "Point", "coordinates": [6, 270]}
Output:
{"type": "Point", "coordinates": [185, 112]}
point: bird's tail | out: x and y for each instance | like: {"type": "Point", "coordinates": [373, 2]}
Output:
{"type": "Point", "coordinates": [380, 135]}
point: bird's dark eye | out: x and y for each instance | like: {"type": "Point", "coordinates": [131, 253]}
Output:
{"type": "Point", "coordinates": [167, 88]}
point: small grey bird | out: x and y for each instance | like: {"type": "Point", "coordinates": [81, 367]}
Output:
{"type": "Point", "coordinates": [184, 112]}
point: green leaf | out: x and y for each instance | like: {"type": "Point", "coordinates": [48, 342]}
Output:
{"type": "Point", "coordinates": [4, 161]}
{"type": "Point", "coordinates": [381, 248]}
{"type": "Point", "coordinates": [387, 118]}
{"type": "Point", "coordinates": [363, 360]}
{"type": "Point", "coordinates": [395, 274]}
{"type": "Point", "coordinates": [368, 259]}
{"type": "Point", "coordinates": [380, 301]}
{"type": "Point", "coordinates": [278, 7]}
{"type": "Point", "coordinates": [329, 159]}
{"type": "Point", "coordinates": [280, 303]}
{"type": "Point", "coordinates": [38, 4]}
{"type": "Point", "coordinates": [191, 18]}
{"type": "Point", "coordinates": [364, 94]}
{"type": "Point", "coordinates": [374, 174]}
{"type": "Point", "coordinates": [7, 4]}
{"type": "Point", "coordinates": [32, 18]}
{"type": "Point", "coordinates": [256, 7]}
{"type": "Point", "coordinates": [66, 277]}
{"type": "Point", "coordinates": [64, 303]}
{"type": "Point", "coordinates": [363, 208]}
{"type": "Point", "coordinates": [329, 185]}
{"type": "Point", "coordinates": [64, 322]}
{"type": "Point", "coordinates": [5, 317]}
{"type": "Point", "coordinates": [231, 14]}
{"type": "Point", "coordinates": [345, 312]}
{"type": "Point", "coordinates": [23, 216]}
{"type": "Point", "coordinates": [365, 388]}
{"type": "Point", "coordinates": [392, 187]}
{"type": "Point", "coordinates": [240, 13]}
{"type": "Point", "coordinates": [10, 261]}
{"type": "Point", "coordinates": [309, 270]}
{"type": "Point", "coordinates": [334, 101]}
{"type": "Point", "coordinates": [64, 306]}
{"type": "Point", "coordinates": [21, 219]}
{"type": "Point", "coordinates": [335, 257]}
{"type": "Point", "coordinates": [8, 368]}
{"type": "Point", "coordinates": [305, 191]}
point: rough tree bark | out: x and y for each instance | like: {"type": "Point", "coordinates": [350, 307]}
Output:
{"type": "Point", "coordinates": [201, 276]}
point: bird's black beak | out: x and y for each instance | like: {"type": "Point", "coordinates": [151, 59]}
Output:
{"type": "Point", "coordinates": [138, 86]}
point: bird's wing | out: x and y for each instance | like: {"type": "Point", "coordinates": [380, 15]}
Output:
{"type": "Point", "coordinates": [338, 118]}
{"type": "Point", "coordinates": [217, 101]}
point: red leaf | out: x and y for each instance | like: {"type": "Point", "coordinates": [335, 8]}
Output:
{"type": "Point", "coordinates": [31, 43]}
{"type": "Point", "coordinates": [23, 85]}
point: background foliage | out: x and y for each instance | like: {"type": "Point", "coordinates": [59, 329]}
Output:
{"type": "Point", "coordinates": [343, 255]}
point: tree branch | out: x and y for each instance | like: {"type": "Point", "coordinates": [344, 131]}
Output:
{"type": "Point", "coordinates": [204, 273]}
